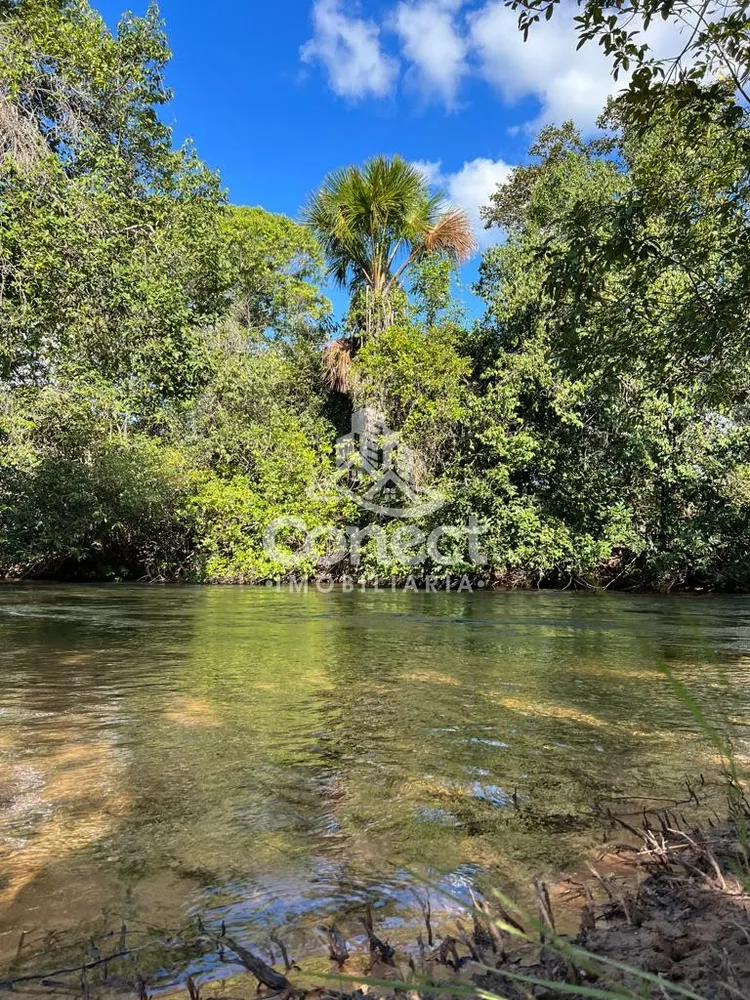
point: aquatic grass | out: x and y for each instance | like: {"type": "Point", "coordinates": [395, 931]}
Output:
{"type": "Point", "coordinates": [456, 988]}
{"type": "Point", "coordinates": [544, 936]}
{"type": "Point", "coordinates": [738, 805]}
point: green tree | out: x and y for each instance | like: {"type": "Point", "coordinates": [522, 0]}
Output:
{"type": "Point", "coordinates": [375, 223]}
{"type": "Point", "coordinates": [274, 271]}
{"type": "Point", "coordinates": [613, 354]}
{"type": "Point", "coordinates": [103, 226]}
{"type": "Point", "coordinates": [159, 350]}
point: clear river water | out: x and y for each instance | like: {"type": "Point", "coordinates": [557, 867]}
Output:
{"type": "Point", "coordinates": [272, 759]}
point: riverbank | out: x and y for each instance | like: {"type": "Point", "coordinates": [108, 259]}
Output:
{"type": "Point", "coordinates": [668, 915]}
{"type": "Point", "coordinates": [457, 582]}
{"type": "Point", "coordinates": [655, 920]}
{"type": "Point", "coordinates": [664, 913]}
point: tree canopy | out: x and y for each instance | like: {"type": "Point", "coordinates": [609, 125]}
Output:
{"type": "Point", "coordinates": [713, 42]}
{"type": "Point", "coordinates": [165, 358]}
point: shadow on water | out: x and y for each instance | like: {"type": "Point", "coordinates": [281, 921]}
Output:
{"type": "Point", "coordinates": [268, 758]}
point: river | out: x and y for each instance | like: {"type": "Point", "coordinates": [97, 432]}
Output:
{"type": "Point", "coordinates": [270, 758]}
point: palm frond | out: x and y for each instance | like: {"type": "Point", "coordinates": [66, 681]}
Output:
{"type": "Point", "coordinates": [373, 222]}
{"type": "Point", "coordinates": [337, 361]}
{"type": "Point", "coordinates": [453, 234]}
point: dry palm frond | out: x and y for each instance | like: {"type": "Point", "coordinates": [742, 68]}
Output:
{"type": "Point", "coordinates": [19, 136]}
{"type": "Point", "coordinates": [453, 234]}
{"type": "Point", "coordinates": [337, 361]}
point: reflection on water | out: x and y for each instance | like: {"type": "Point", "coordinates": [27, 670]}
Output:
{"type": "Point", "coordinates": [265, 757]}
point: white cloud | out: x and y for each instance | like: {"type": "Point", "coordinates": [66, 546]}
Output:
{"type": "Point", "coordinates": [432, 43]}
{"type": "Point", "coordinates": [441, 44]}
{"type": "Point", "coordinates": [431, 170]}
{"type": "Point", "coordinates": [567, 83]}
{"type": "Point", "coordinates": [350, 50]}
{"type": "Point", "coordinates": [470, 188]}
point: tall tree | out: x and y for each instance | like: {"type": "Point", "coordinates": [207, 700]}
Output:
{"type": "Point", "coordinates": [109, 237]}
{"type": "Point", "coordinates": [375, 223]}
{"type": "Point", "coordinates": [615, 354]}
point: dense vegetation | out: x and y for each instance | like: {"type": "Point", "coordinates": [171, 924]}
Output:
{"type": "Point", "coordinates": [171, 379]}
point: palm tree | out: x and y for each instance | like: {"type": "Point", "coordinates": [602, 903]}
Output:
{"type": "Point", "coordinates": [375, 222]}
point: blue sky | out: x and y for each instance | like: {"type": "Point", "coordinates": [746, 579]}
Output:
{"type": "Point", "coordinates": [275, 94]}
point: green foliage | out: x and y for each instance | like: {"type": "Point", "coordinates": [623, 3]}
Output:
{"type": "Point", "coordinates": [103, 227]}
{"type": "Point", "coordinates": [714, 43]}
{"type": "Point", "coordinates": [72, 90]}
{"type": "Point", "coordinates": [275, 266]}
{"type": "Point", "coordinates": [152, 340]}
{"type": "Point", "coordinates": [417, 377]}
{"type": "Point", "coordinates": [82, 496]}
{"type": "Point", "coordinates": [431, 285]}
{"type": "Point", "coordinates": [82, 260]}
{"type": "Point", "coordinates": [291, 478]}
{"type": "Point", "coordinates": [166, 394]}
{"type": "Point", "coordinates": [615, 349]}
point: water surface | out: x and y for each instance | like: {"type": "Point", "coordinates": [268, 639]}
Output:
{"type": "Point", "coordinates": [268, 758]}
